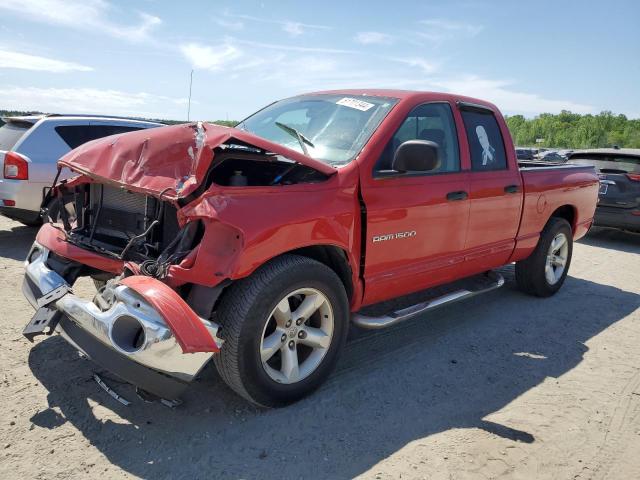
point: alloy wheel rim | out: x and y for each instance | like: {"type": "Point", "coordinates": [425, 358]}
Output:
{"type": "Point", "coordinates": [556, 259]}
{"type": "Point", "coordinates": [297, 335]}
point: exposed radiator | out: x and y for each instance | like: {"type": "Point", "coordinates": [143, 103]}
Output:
{"type": "Point", "coordinates": [123, 200]}
{"type": "Point", "coordinates": [112, 217]}
{"type": "Point", "coordinates": [120, 214]}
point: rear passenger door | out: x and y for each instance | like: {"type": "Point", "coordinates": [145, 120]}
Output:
{"type": "Point", "coordinates": [495, 190]}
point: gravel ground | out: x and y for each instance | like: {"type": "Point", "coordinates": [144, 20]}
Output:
{"type": "Point", "coordinates": [501, 386]}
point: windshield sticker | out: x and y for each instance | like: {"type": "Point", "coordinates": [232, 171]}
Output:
{"type": "Point", "coordinates": [355, 103]}
{"type": "Point", "coordinates": [488, 152]}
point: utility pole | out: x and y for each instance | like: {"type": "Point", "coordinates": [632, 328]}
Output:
{"type": "Point", "coordinates": [189, 107]}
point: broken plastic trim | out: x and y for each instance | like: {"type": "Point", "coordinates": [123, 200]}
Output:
{"type": "Point", "coordinates": [110, 391]}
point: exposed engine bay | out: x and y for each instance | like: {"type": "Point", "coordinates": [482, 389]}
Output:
{"type": "Point", "coordinates": [123, 225]}
{"type": "Point", "coordinates": [131, 226]}
{"type": "Point", "coordinates": [259, 169]}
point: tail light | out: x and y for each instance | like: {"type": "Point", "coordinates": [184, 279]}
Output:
{"type": "Point", "coordinates": [634, 176]}
{"type": "Point", "coordinates": [16, 167]}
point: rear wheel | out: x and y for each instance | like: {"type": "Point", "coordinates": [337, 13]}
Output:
{"type": "Point", "coordinates": [544, 272]}
{"type": "Point", "coordinates": [284, 328]}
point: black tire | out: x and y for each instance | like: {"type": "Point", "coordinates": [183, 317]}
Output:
{"type": "Point", "coordinates": [242, 314]}
{"type": "Point", "coordinates": [36, 220]}
{"type": "Point", "coordinates": [530, 272]}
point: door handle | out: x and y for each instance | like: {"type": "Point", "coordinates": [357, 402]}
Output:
{"type": "Point", "coordinates": [459, 195]}
{"type": "Point", "coordinates": [512, 189]}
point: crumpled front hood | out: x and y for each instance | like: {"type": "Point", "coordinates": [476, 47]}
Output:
{"type": "Point", "coordinates": [171, 161]}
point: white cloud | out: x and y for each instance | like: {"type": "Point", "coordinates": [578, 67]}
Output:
{"type": "Point", "coordinates": [457, 27]}
{"type": "Point", "coordinates": [424, 65]}
{"type": "Point", "coordinates": [210, 58]}
{"type": "Point", "coordinates": [92, 100]}
{"type": "Point", "coordinates": [373, 38]}
{"type": "Point", "coordinates": [91, 15]}
{"type": "Point", "coordinates": [314, 71]}
{"type": "Point", "coordinates": [439, 30]}
{"type": "Point", "coordinates": [291, 48]}
{"type": "Point", "coordinates": [294, 29]}
{"type": "Point", "coordinates": [24, 61]}
{"type": "Point", "coordinates": [230, 24]}
{"type": "Point", "coordinates": [501, 93]}
{"type": "Point", "coordinates": [293, 72]}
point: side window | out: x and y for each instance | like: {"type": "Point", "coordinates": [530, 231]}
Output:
{"type": "Point", "coordinates": [76, 135]}
{"type": "Point", "coordinates": [485, 140]}
{"type": "Point", "coordinates": [433, 122]}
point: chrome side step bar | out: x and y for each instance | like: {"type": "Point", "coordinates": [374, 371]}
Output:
{"type": "Point", "coordinates": [494, 280]}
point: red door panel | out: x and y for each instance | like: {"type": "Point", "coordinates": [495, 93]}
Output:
{"type": "Point", "coordinates": [496, 200]}
{"type": "Point", "coordinates": [399, 264]}
{"type": "Point", "coordinates": [495, 189]}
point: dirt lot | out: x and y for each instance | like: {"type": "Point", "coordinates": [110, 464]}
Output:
{"type": "Point", "coordinates": [502, 386]}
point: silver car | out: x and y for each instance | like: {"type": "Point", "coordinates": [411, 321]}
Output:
{"type": "Point", "coordinates": [31, 145]}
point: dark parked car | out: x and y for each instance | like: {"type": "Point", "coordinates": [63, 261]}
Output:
{"type": "Point", "coordinates": [551, 156]}
{"type": "Point", "coordinates": [525, 153]}
{"type": "Point", "coordinates": [619, 172]}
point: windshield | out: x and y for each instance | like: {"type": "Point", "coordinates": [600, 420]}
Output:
{"type": "Point", "coordinates": [331, 128]}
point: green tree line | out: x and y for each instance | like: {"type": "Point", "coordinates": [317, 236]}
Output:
{"type": "Point", "coordinates": [573, 130]}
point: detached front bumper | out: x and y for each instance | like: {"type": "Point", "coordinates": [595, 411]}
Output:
{"type": "Point", "coordinates": [124, 329]}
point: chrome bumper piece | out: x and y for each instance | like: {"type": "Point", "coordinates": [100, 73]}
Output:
{"type": "Point", "coordinates": [129, 325]}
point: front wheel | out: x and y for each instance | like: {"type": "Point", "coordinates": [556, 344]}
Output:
{"type": "Point", "coordinates": [284, 328]}
{"type": "Point", "coordinates": [544, 272]}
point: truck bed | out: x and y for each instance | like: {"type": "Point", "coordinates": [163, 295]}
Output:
{"type": "Point", "coordinates": [548, 187]}
{"type": "Point", "coordinates": [537, 164]}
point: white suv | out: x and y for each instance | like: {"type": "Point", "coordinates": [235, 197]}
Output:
{"type": "Point", "coordinates": [30, 147]}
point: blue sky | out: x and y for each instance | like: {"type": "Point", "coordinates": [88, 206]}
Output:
{"type": "Point", "coordinates": [134, 57]}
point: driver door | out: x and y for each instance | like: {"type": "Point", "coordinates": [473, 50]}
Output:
{"type": "Point", "coordinates": [416, 221]}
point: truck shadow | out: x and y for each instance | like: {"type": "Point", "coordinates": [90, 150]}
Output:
{"type": "Point", "coordinates": [450, 369]}
{"type": "Point", "coordinates": [15, 242]}
{"type": "Point", "coordinates": [613, 239]}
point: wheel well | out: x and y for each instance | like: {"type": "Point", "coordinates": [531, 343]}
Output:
{"type": "Point", "coordinates": [568, 213]}
{"type": "Point", "coordinates": [333, 257]}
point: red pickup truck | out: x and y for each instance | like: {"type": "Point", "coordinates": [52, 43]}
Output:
{"type": "Point", "coordinates": [258, 245]}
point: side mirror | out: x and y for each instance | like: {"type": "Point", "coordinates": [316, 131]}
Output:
{"type": "Point", "coordinates": [416, 156]}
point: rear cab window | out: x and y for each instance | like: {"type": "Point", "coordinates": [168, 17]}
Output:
{"type": "Point", "coordinates": [486, 144]}
{"type": "Point", "coordinates": [11, 133]}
